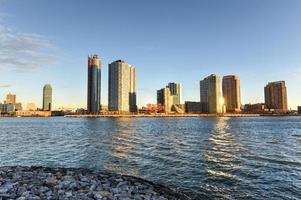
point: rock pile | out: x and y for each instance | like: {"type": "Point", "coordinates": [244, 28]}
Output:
{"type": "Point", "coordinates": [36, 183]}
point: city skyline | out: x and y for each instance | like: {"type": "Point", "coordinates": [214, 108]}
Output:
{"type": "Point", "coordinates": [177, 54]}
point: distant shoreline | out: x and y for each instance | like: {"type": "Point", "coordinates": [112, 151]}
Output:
{"type": "Point", "coordinates": [155, 115]}
{"type": "Point", "coordinates": [173, 115]}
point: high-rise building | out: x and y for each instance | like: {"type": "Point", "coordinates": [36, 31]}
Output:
{"type": "Point", "coordinates": [299, 110]}
{"type": "Point", "coordinates": [164, 99]}
{"type": "Point", "coordinates": [11, 98]}
{"type": "Point", "coordinates": [175, 92]}
{"type": "Point", "coordinates": [47, 97]}
{"type": "Point", "coordinates": [211, 94]}
{"type": "Point", "coordinates": [94, 84]}
{"type": "Point", "coordinates": [231, 93]}
{"type": "Point", "coordinates": [122, 87]}
{"type": "Point", "coordinates": [18, 106]}
{"type": "Point", "coordinates": [275, 96]}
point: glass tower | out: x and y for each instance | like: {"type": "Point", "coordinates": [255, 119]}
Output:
{"type": "Point", "coordinates": [47, 97]}
{"type": "Point", "coordinates": [94, 84]}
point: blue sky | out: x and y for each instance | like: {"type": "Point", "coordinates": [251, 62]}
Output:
{"type": "Point", "coordinates": [183, 41]}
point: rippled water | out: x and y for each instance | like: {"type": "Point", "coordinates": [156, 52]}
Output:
{"type": "Point", "coordinates": [229, 158]}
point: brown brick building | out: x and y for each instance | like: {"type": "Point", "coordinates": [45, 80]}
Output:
{"type": "Point", "coordinates": [275, 96]}
{"type": "Point", "coordinates": [231, 93]}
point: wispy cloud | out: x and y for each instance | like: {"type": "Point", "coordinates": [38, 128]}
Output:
{"type": "Point", "coordinates": [24, 52]}
{"type": "Point", "coordinates": [297, 73]}
{"type": "Point", "coordinates": [5, 86]}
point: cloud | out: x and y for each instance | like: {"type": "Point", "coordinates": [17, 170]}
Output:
{"type": "Point", "coordinates": [24, 52]}
{"type": "Point", "coordinates": [5, 86]}
{"type": "Point", "coordinates": [297, 73]}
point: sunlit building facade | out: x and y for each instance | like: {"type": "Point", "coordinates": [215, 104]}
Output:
{"type": "Point", "coordinates": [164, 99]}
{"type": "Point", "coordinates": [211, 94]}
{"type": "Point", "coordinates": [10, 98]}
{"type": "Point", "coordinates": [94, 84]}
{"type": "Point", "coordinates": [47, 97]}
{"type": "Point", "coordinates": [231, 93]}
{"type": "Point", "coordinates": [275, 96]}
{"type": "Point", "coordinates": [175, 92]}
{"type": "Point", "coordinates": [122, 87]}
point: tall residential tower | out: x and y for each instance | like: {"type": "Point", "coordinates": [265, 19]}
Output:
{"type": "Point", "coordinates": [275, 96]}
{"type": "Point", "coordinates": [231, 93]}
{"type": "Point", "coordinates": [94, 84]}
{"type": "Point", "coordinates": [11, 98]}
{"type": "Point", "coordinates": [164, 99]}
{"type": "Point", "coordinates": [47, 97]}
{"type": "Point", "coordinates": [122, 87]}
{"type": "Point", "coordinates": [175, 92]}
{"type": "Point", "coordinates": [211, 94]}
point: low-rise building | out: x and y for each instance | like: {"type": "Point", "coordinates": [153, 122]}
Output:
{"type": "Point", "coordinates": [255, 108]}
{"type": "Point", "coordinates": [151, 108]}
{"type": "Point", "coordinates": [299, 110]}
{"type": "Point", "coordinates": [33, 113]}
{"type": "Point", "coordinates": [7, 108]}
{"type": "Point", "coordinates": [18, 106]}
{"type": "Point", "coordinates": [193, 107]}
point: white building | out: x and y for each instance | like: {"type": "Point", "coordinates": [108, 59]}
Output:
{"type": "Point", "coordinates": [211, 94]}
{"type": "Point", "coordinates": [122, 87]}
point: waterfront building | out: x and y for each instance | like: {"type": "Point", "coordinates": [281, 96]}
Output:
{"type": "Point", "coordinates": [192, 107]}
{"type": "Point", "coordinates": [34, 113]}
{"type": "Point", "coordinates": [256, 108]}
{"type": "Point", "coordinates": [231, 93]}
{"type": "Point", "coordinates": [164, 99]}
{"type": "Point", "coordinates": [151, 108]}
{"type": "Point", "coordinates": [47, 97]}
{"type": "Point", "coordinates": [94, 84]}
{"type": "Point", "coordinates": [31, 106]}
{"type": "Point", "coordinates": [10, 98]}
{"type": "Point", "coordinates": [7, 108]}
{"type": "Point", "coordinates": [275, 96]}
{"type": "Point", "coordinates": [211, 94]}
{"type": "Point", "coordinates": [122, 87]}
{"type": "Point", "coordinates": [18, 106]}
{"type": "Point", "coordinates": [299, 110]}
{"type": "Point", "coordinates": [175, 92]}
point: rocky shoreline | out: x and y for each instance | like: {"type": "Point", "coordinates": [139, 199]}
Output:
{"type": "Point", "coordinates": [36, 183]}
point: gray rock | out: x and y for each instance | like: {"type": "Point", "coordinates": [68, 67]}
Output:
{"type": "Point", "coordinates": [34, 183]}
{"type": "Point", "coordinates": [68, 194]}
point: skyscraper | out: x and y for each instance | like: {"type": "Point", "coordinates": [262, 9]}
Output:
{"type": "Point", "coordinates": [231, 93]}
{"type": "Point", "coordinates": [94, 84]}
{"type": "Point", "coordinates": [275, 96]}
{"type": "Point", "coordinates": [47, 97]}
{"type": "Point", "coordinates": [11, 98]}
{"type": "Point", "coordinates": [164, 99]}
{"type": "Point", "coordinates": [211, 94]}
{"type": "Point", "coordinates": [175, 92]}
{"type": "Point", "coordinates": [122, 87]}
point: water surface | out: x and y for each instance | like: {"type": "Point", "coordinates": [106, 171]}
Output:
{"type": "Point", "coordinates": [229, 158]}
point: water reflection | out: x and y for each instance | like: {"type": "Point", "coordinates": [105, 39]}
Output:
{"type": "Point", "coordinates": [124, 146]}
{"type": "Point", "coordinates": [222, 155]}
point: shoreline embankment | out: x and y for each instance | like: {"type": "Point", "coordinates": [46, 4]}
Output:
{"type": "Point", "coordinates": [34, 183]}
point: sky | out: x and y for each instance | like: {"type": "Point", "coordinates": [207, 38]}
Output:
{"type": "Point", "coordinates": [167, 41]}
